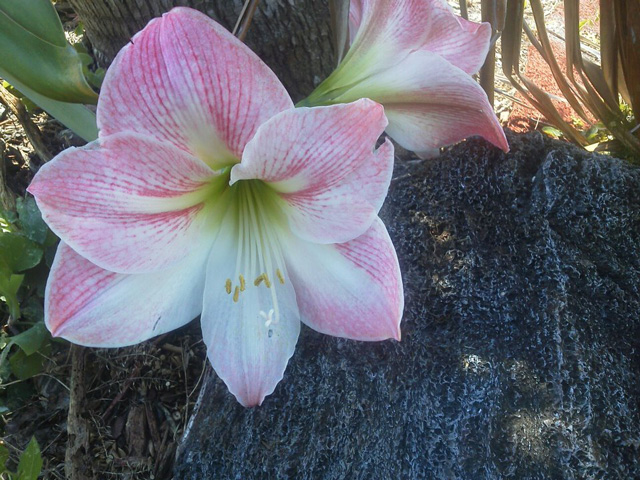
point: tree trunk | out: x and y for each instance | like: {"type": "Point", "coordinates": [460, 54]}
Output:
{"type": "Point", "coordinates": [292, 36]}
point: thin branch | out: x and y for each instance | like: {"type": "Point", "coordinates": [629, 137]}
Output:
{"type": "Point", "coordinates": [244, 19]}
{"type": "Point", "coordinates": [487, 72]}
{"type": "Point", "coordinates": [132, 378]}
{"type": "Point", "coordinates": [464, 13]}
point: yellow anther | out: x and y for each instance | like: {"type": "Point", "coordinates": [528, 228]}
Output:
{"type": "Point", "coordinates": [262, 277]}
{"type": "Point", "coordinates": [227, 285]}
{"type": "Point", "coordinates": [236, 294]}
{"type": "Point", "coordinates": [243, 284]}
{"type": "Point", "coordinates": [280, 276]}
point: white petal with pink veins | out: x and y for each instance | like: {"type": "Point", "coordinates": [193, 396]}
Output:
{"type": "Point", "coordinates": [322, 162]}
{"type": "Point", "coordinates": [351, 290]}
{"type": "Point", "coordinates": [403, 54]}
{"type": "Point", "coordinates": [431, 103]}
{"type": "Point", "coordinates": [250, 323]}
{"type": "Point", "coordinates": [128, 203]}
{"type": "Point", "coordinates": [187, 80]}
{"type": "Point", "coordinates": [91, 306]}
{"type": "Point", "coordinates": [395, 28]}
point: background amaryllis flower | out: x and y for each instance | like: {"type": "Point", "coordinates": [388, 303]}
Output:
{"type": "Point", "coordinates": [207, 193]}
{"type": "Point", "coordinates": [415, 57]}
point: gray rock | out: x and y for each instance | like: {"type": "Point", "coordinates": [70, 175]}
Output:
{"type": "Point", "coordinates": [520, 350]}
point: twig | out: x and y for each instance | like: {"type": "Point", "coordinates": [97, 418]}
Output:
{"type": "Point", "coordinates": [585, 49]}
{"type": "Point", "coordinates": [7, 200]}
{"type": "Point", "coordinates": [244, 19]}
{"type": "Point", "coordinates": [125, 387]}
{"type": "Point", "coordinates": [171, 348]}
{"type": "Point", "coordinates": [488, 70]}
{"type": "Point", "coordinates": [512, 98]}
{"type": "Point", "coordinates": [237, 25]}
{"type": "Point", "coordinates": [202, 373]}
{"type": "Point", "coordinates": [4, 385]}
{"type": "Point", "coordinates": [464, 13]}
{"type": "Point", "coordinates": [161, 454]}
{"type": "Point", "coordinates": [30, 129]}
{"type": "Point", "coordinates": [77, 461]}
{"type": "Point", "coordinates": [185, 366]}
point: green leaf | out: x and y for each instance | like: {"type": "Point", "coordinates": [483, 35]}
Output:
{"type": "Point", "coordinates": [5, 375]}
{"type": "Point", "coordinates": [36, 278]}
{"type": "Point", "coordinates": [9, 286]}
{"type": "Point", "coordinates": [18, 252]}
{"type": "Point", "coordinates": [7, 219]}
{"type": "Point", "coordinates": [552, 132]}
{"type": "Point", "coordinates": [96, 78]}
{"type": "Point", "coordinates": [35, 51]}
{"type": "Point", "coordinates": [78, 118]}
{"type": "Point", "coordinates": [25, 366]}
{"type": "Point", "coordinates": [31, 219]}
{"type": "Point", "coordinates": [4, 454]}
{"type": "Point", "coordinates": [50, 253]}
{"type": "Point", "coordinates": [32, 309]}
{"type": "Point", "coordinates": [30, 464]}
{"type": "Point", "coordinates": [38, 16]}
{"type": "Point", "coordinates": [31, 340]}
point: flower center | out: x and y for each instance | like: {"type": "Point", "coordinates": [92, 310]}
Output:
{"type": "Point", "coordinates": [259, 261]}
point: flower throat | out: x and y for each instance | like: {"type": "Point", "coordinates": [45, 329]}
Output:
{"type": "Point", "coordinates": [259, 261]}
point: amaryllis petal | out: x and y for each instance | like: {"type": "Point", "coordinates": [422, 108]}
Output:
{"type": "Point", "coordinates": [351, 290]}
{"type": "Point", "coordinates": [394, 28]}
{"type": "Point", "coordinates": [187, 80]}
{"type": "Point", "coordinates": [432, 103]}
{"type": "Point", "coordinates": [91, 306]}
{"type": "Point", "coordinates": [403, 55]}
{"type": "Point", "coordinates": [469, 26]}
{"type": "Point", "coordinates": [323, 163]}
{"type": "Point", "coordinates": [463, 43]}
{"type": "Point", "coordinates": [355, 17]}
{"type": "Point", "coordinates": [249, 336]}
{"type": "Point", "coordinates": [127, 203]}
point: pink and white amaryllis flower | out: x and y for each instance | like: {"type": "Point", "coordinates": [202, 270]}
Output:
{"type": "Point", "coordinates": [208, 194]}
{"type": "Point", "coordinates": [416, 58]}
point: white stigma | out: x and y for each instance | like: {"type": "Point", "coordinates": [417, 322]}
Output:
{"type": "Point", "coordinates": [268, 317]}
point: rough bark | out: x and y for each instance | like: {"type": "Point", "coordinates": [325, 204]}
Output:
{"type": "Point", "coordinates": [77, 459]}
{"type": "Point", "coordinates": [291, 36]}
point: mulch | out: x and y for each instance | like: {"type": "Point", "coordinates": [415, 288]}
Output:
{"type": "Point", "coordinates": [524, 118]}
{"type": "Point", "coordinates": [134, 407]}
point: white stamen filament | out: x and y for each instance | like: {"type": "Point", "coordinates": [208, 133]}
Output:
{"type": "Point", "coordinates": [259, 253]}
